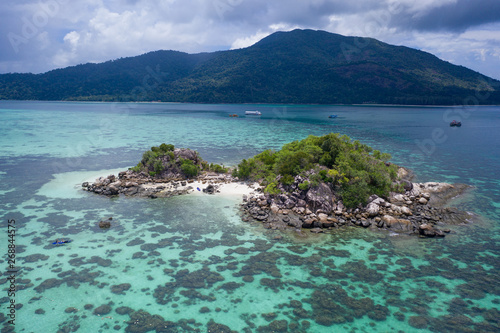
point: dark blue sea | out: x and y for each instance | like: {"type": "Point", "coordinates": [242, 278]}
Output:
{"type": "Point", "coordinates": [190, 264]}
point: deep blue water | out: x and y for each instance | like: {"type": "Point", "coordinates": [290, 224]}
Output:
{"type": "Point", "coordinates": [192, 261]}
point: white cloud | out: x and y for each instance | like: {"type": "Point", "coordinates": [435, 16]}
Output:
{"type": "Point", "coordinates": [72, 39]}
{"type": "Point", "coordinates": [247, 41]}
{"type": "Point", "coordinates": [243, 42]}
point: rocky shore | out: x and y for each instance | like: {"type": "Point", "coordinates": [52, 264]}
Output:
{"type": "Point", "coordinates": [166, 171]}
{"type": "Point", "coordinates": [420, 210]}
{"type": "Point", "coordinates": [131, 183]}
{"type": "Point", "coordinates": [417, 211]}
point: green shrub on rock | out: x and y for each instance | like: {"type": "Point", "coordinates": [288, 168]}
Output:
{"type": "Point", "coordinates": [166, 148]}
{"type": "Point", "coordinates": [158, 166]}
{"type": "Point", "coordinates": [159, 159]}
{"type": "Point", "coordinates": [149, 158]}
{"type": "Point", "coordinates": [137, 168]}
{"type": "Point", "coordinates": [353, 169]}
{"type": "Point", "coordinates": [304, 186]}
{"type": "Point", "coordinates": [272, 189]}
{"type": "Point", "coordinates": [189, 169]}
{"type": "Point", "coordinates": [217, 168]}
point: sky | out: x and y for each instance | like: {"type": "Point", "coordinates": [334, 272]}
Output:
{"type": "Point", "coordinates": [40, 35]}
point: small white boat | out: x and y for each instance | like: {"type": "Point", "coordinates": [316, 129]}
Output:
{"type": "Point", "coordinates": [255, 113]}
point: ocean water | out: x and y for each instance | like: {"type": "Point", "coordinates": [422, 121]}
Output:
{"type": "Point", "coordinates": [189, 264]}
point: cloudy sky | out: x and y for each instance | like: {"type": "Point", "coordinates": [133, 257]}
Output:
{"type": "Point", "coordinates": [40, 35]}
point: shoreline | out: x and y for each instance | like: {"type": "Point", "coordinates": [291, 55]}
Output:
{"type": "Point", "coordinates": [422, 210]}
{"type": "Point", "coordinates": [258, 104]}
{"type": "Point", "coordinates": [208, 183]}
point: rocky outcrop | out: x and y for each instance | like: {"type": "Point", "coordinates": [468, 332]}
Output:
{"type": "Point", "coordinates": [320, 199]}
{"type": "Point", "coordinates": [131, 183]}
{"type": "Point", "coordinates": [211, 189]}
{"type": "Point", "coordinates": [162, 172]}
{"type": "Point", "coordinates": [317, 209]}
{"type": "Point", "coordinates": [105, 224]}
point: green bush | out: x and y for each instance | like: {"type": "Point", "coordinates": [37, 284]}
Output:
{"type": "Point", "coordinates": [148, 158]}
{"type": "Point", "coordinates": [166, 148]}
{"type": "Point", "coordinates": [217, 168]}
{"type": "Point", "coordinates": [268, 157]}
{"type": "Point", "coordinates": [158, 166]}
{"type": "Point", "coordinates": [244, 169]}
{"type": "Point", "coordinates": [137, 168]}
{"type": "Point", "coordinates": [304, 186]}
{"type": "Point", "coordinates": [355, 193]}
{"type": "Point", "coordinates": [287, 180]}
{"type": "Point", "coordinates": [272, 189]}
{"type": "Point", "coordinates": [189, 169]}
{"type": "Point", "coordinates": [292, 163]}
{"type": "Point", "coordinates": [157, 151]}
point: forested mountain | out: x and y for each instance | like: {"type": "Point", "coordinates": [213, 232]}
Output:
{"type": "Point", "coordinates": [300, 66]}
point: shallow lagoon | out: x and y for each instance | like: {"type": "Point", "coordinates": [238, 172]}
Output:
{"type": "Point", "coordinates": [192, 261]}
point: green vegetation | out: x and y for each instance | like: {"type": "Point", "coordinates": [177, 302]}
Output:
{"type": "Point", "coordinates": [300, 66]}
{"type": "Point", "coordinates": [217, 168]}
{"type": "Point", "coordinates": [352, 169]}
{"type": "Point", "coordinates": [158, 159]}
{"type": "Point", "coordinates": [304, 186]}
{"type": "Point", "coordinates": [189, 169]}
{"type": "Point", "coordinates": [162, 159]}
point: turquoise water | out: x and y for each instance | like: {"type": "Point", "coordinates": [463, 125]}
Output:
{"type": "Point", "coordinates": [192, 261]}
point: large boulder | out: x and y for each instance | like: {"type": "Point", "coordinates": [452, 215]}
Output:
{"type": "Point", "coordinates": [375, 202]}
{"type": "Point", "coordinates": [274, 208]}
{"type": "Point", "coordinates": [405, 210]}
{"type": "Point", "coordinates": [428, 230]}
{"type": "Point", "coordinates": [320, 199]}
{"type": "Point", "coordinates": [397, 198]}
{"type": "Point", "coordinates": [289, 203]}
{"type": "Point", "coordinates": [186, 154]}
{"type": "Point", "coordinates": [397, 224]}
{"type": "Point", "coordinates": [372, 209]}
{"type": "Point", "coordinates": [301, 203]}
{"type": "Point", "coordinates": [114, 188]}
{"type": "Point", "coordinates": [210, 189]}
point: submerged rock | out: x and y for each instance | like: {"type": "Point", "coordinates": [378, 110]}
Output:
{"type": "Point", "coordinates": [105, 224]}
{"type": "Point", "coordinates": [102, 310]}
{"type": "Point", "coordinates": [429, 231]}
{"type": "Point", "coordinates": [120, 288]}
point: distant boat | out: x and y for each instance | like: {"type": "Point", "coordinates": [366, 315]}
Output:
{"type": "Point", "coordinates": [255, 113]}
{"type": "Point", "coordinates": [455, 123]}
{"type": "Point", "coordinates": [332, 116]}
{"type": "Point", "coordinates": [233, 115]}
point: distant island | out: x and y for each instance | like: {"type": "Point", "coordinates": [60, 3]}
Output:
{"type": "Point", "coordinates": [296, 67]}
{"type": "Point", "coordinates": [317, 184]}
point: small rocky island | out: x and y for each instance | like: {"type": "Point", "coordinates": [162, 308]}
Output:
{"type": "Point", "coordinates": [164, 171]}
{"type": "Point", "coordinates": [319, 183]}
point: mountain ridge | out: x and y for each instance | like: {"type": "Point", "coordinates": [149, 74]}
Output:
{"type": "Point", "coordinates": [295, 67]}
